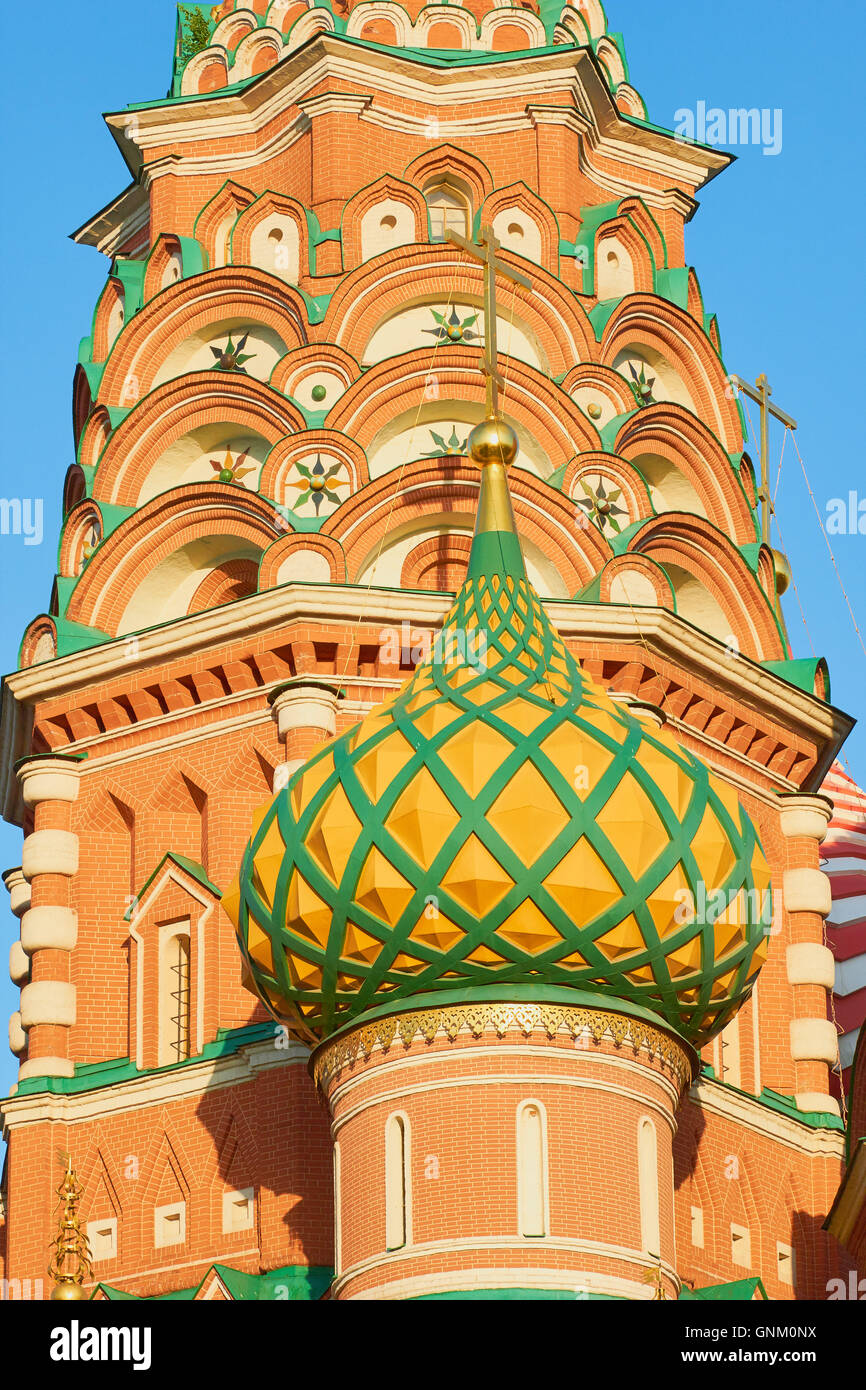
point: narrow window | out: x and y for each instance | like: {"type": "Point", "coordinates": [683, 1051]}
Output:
{"type": "Point", "coordinates": [396, 1182]}
{"type": "Point", "coordinates": [174, 999]}
{"type": "Point", "coordinates": [449, 211]}
{"type": "Point", "coordinates": [648, 1185]}
{"type": "Point", "coordinates": [532, 1169]}
{"type": "Point", "coordinates": [730, 1039]}
{"type": "Point", "coordinates": [786, 1268]}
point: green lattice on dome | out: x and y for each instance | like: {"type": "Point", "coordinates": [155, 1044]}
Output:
{"type": "Point", "coordinates": [501, 820]}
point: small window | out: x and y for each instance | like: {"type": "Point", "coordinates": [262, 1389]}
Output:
{"type": "Point", "coordinates": [396, 1182]}
{"type": "Point", "coordinates": [698, 1227]}
{"type": "Point", "coordinates": [238, 1210]}
{"type": "Point", "coordinates": [175, 998]}
{"type": "Point", "coordinates": [741, 1246]}
{"type": "Point", "coordinates": [786, 1268]}
{"type": "Point", "coordinates": [449, 211]}
{"type": "Point", "coordinates": [169, 1224]}
{"type": "Point", "coordinates": [102, 1239]}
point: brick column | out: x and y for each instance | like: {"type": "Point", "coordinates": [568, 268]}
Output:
{"type": "Point", "coordinates": [809, 963]}
{"type": "Point", "coordinates": [306, 713]}
{"type": "Point", "coordinates": [19, 963]}
{"type": "Point", "coordinates": [49, 784]}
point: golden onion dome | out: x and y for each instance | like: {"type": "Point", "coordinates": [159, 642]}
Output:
{"type": "Point", "coordinates": [501, 822]}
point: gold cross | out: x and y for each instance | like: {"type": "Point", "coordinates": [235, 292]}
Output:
{"type": "Point", "coordinates": [760, 393]}
{"type": "Point", "coordinates": [484, 250]}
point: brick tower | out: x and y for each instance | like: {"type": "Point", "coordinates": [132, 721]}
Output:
{"type": "Point", "coordinates": [541, 1063]}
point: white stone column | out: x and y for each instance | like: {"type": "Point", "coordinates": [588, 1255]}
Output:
{"type": "Point", "coordinates": [305, 710]}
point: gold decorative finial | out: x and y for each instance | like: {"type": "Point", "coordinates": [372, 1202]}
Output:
{"type": "Point", "coordinates": [654, 1276]}
{"type": "Point", "coordinates": [70, 1265]}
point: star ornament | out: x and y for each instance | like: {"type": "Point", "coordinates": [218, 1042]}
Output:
{"type": "Point", "coordinates": [313, 484]}
{"type": "Point", "coordinates": [453, 329]}
{"type": "Point", "coordinates": [233, 471]}
{"type": "Point", "coordinates": [642, 388]}
{"type": "Point", "coordinates": [447, 448]}
{"type": "Point", "coordinates": [601, 505]}
{"type": "Point", "coordinates": [231, 358]}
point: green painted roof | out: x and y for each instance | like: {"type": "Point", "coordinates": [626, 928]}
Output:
{"type": "Point", "coordinates": [738, 1291]}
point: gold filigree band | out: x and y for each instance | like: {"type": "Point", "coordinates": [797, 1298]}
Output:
{"type": "Point", "coordinates": [595, 1024]}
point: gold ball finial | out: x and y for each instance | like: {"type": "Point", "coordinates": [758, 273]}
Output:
{"type": "Point", "coordinates": [69, 1293]}
{"type": "Point", "coordinates": [493, 442]}
{"type": "Point", "coordinates": [783, 571]}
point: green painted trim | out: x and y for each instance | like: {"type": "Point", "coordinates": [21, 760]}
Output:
{"type": "Point", "coordinates": [189, 866]}
{"type": "Point", "coordinates": [93, 1076]}
{"type": "Point", "coordinates": [801, 672]}
{"type": "Point", "coordinates": [737, 1291]}
{"type": "Point", "coordinates": [673, 285]}
{"type": "Point", "coordinates": [76, 637]}
{"type": "Point", "coordinates": [303, 1283]}
{"type": "Point", "coordinates": [131, 276]}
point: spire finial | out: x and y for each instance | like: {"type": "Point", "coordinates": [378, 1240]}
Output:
{"type": "Point", "coordinates": [484, 250]}
{"type": "Point", "coordinates": [70, 1265]}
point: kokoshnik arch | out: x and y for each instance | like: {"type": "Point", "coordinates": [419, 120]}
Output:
{"type": "Point", "coordinates": [531, 919]}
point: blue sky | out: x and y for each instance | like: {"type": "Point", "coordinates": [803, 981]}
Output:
{"type": "Point", "coordinates": [777, 243]}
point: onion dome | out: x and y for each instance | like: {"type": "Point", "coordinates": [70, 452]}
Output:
{"type": "Point", "coordinates": [501, 821]}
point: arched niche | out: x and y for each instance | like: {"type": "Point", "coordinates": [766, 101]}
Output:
{"type": "Point", "coordinates": [263, 349]}
{"type": "Point", "coordinates": [439, 428]}
{"type": "Point", "coordinates": [461, 320]}
{"type": "Point", "coordinates": [669, 488]}
{"type": "Point", "coordinates": [169, 587]}
{"type": "Point", "coordinates": [661, 381]}
{"type": "Point", "coordinates": [191, 459]}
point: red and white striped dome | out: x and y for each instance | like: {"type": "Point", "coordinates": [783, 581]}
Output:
{"type": "Point", "coordinates": [844, 854]}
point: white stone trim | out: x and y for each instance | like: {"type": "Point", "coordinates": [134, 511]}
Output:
{"type": "Point", "coordinates": [807, 890]}
{"type": "Point", "coordinates": [306, 707]}
{"type": "Point", "coordinates": [17, 1036]}
{"type": "Point", "coordinates": [818, 1103]}
{"type": "Point", "coordinates": [45, 779]}
{"type": "Point", "coordinates": [599, 1249]}
{"type": "Point", "coordinates": [19, 963]}
{"type": "Point", "coordinates": [805, 816]}
{"type": "Point", "coordinates": [46, 1066]}
{"type": "Point", "coordinates": [497, 1277]}
{"type": "Point", "coordinates": [809, 963]}
{"type": "Point", "coordinates": [48, 1001]}
{"type": "Point", "coordinates": [49, 929]}
{"type": "Point", "coordinates": [814, 1040]}
{"type": "Point", "coordinates": [50, 852]}
{"type": "Point", "coordinates": [19, 891]}
{"type": "Point", "coordinates": [753, 1115]}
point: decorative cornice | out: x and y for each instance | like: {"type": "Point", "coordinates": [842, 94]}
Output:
{"type": "Point", "coordinates": [500, 1018]}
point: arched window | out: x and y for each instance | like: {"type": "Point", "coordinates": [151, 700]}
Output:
{"type": "Point", "coordinates": [648, 1186]}
{"type": "Point", "coordinates": [222, 239]}
{"type": "Point", "coordinates": [397, 1193]}
{"type": "Point", "coordinates": [175, 1034]}
{"type": "Point", "coordinates": [449, 209]}
{"type": "Point", "coordinates": [532, 1200]}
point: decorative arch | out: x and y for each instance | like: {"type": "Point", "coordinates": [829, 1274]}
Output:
{"type": "Point", "coordinates": [658, 324]}
{"type": "Point", "coordinates": [82, 533]}
{"type": "Point", "coordinates": [510, 31]}
{"type": "Point", "coordinates": [177, 408]}
{"type": "Point", "coordinates": [214, 224]}
{"type": "Point", "coordinates": [39, 644]}
{"type": "Point", "coordinates": [281, 220]}
{"type": "Point", "coordinates": [610, 59]}
{"type": "Point", "coordinates": [290, 371]}
{"type": "Point", "coordinates": [636, 497]}
{"type": "Point", "coordinates": [401, 384]}
{"type": "Point", "coordinates": [374, 19]}
{"type": "Point", "coordinates": [257, 52]}
{"type": "Point", "coordinates": [82, 402]}
{"type": "Point", "coordinates": [545, 519]}
{"type": "Point", "coordinates": [630, 102]}
{"type": "Point", "coordinates": [94, 437]}
{"type": "Point", "coordinates": [190, 308]}
{"type": "Point", "coordinates": [447, 159]}
{"type": "Point", "coordinates": [374, 290]}
{"type": "Point", "coordinates": [636, 580]}
{"type": "Point", "coordinates": [597, 388]}
{"type": "Point", "coordinates": [233, 28]}
{"type": "Point", "coordinates": [303, 559]}
{"type": "Point", "coordinates": [275, 474]}
{"type": "Point", "coordinates": [695, 301]}
{"type": "Point", "coordinates": [439, 563]}
{"type": "Point", "coordinates": [109, 318]}
{"type": "Point", "coordinates": [74, 487]}
{"type": "Point", "coordinates": [499, 209]}
{"type": "Point", "coordinates": [205, 72]}
{"type": "Point", "coordinates": [400, 204]}
{"type": "Point", "coordinates": [674, 434]}
{"type": "Point", "coordinates": [437, 26]}
{"type": "Point", "coordinates": [233, 579]}
{"type": "Point", "coordinates": [137, 551]}
{"type": "Point", "coordinates": [164, 265]}
{"type": "Point", "coordinates": [620, 239]}
{"type": "Point", "coordinates": [694, 546]}
{"type": "Point", "coordinates": [590, 13]}
{"type": "Point", "coordinates": [639, 215]}
{"type": "Point", "coordinates": [306, 26]}
{"type": "Point", "coordinates": [283, 13]}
